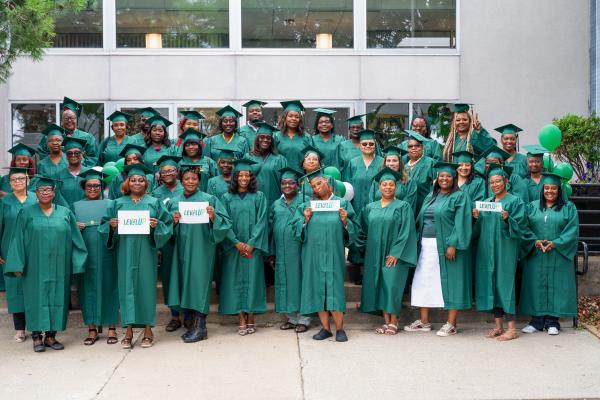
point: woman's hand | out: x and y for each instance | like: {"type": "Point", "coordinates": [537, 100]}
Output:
{"type": "Point", "coordinates": [390, 261]}
{"type": "Point", "coordinates": [2, 262]}
{"type": "Point", "coordinates": [504, 214]}
{"type": "Point", "coordinates": [344, 216]}
{"type": "Point", "coordinates": [271, 261]}
{"type": "Point", "coordinates": [81, 226]}
{"type": "Point", "coordinates": [210, 210]}
{"type": "Point", "coordinates": [153, 222]}
{"type": "Point", "coordinates": [451, 253]}
{"type": "Point", "coordinates": [307, 215]}
{"type": "Point", "coordinates": [244, 249]}
{"type": "Point", "coordinates": [18, 273]}
{"type": "Point", "coordinates": [114, 222]}
{"type": "Point", "coordinates": [476, 122]}
{"type": "Point", "coordinates": [539, 244]}
{"type": "Point", "coordinates": [475, 213]}
{"type": "Point", "coordinates": [176, 217]}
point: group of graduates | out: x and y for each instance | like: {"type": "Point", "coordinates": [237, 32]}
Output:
{"type": "Point", "coordinates": [411, 225]}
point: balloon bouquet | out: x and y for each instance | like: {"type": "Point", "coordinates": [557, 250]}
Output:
{"type": "Point", "coordinates": [112, 169]}
{"type": "Point", "coordinates": [550, 138]}
{"type": "Point", "coordinates": [345, 189]}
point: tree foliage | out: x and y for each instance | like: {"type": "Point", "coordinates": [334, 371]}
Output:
{"type": "Point", "coordinates": [27, 28]}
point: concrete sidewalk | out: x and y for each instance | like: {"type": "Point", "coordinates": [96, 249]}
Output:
{"type": "Point", "coordinates": [274, 364]}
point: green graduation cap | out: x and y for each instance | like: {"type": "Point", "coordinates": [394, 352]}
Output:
{"type": "Point", "coordinates": [496, 169]}
{"type": "Point", "coordinates": [118, 116]}
{"type": "Point", "coordinates": [54, 130]}
{"type": "Point", "coordinates": [366, 134]}
{"type": "Point", "coordinates": [254, 104]}
{"type": "Point", "coordinates": [265, 129]}
{"type": "Point", "coordinates": [45, 181]}
{"type": "Point", "coordinates": [243, 164]}
{"type": "Point", "coordinates": [165, 160]}
{"type": "Point", "coordinates": [460, 107]}
{"type": "Point", "coordinates": [549, 178]}
{"type": "Point", "coordinates": [292, 105]}
{"type": "Point", "coordinates": [226, 154]}
{"type": "Point", "coordinates": [387, 174]}
{"type": "Point", "coordinates": [74, 143]}
{"type": "Point", "coordinates": [190, 167]}
{"type": "Point", "coordinates": [137, 169]}
{"type": "Point", "coordinates": [21, 149]}
{"type": "Point", "coordinates": [535, 150]}
{"type": "Point", "coordinates": [191, 135]}
{"type": "Point", "coordinates": [443, 166]}
{"type": "Point", "coordinates": [508, 129]}
{"type": "Point", "coordinates": [495, 152]}
{"type": "Point", "coordinates": [92, 173]}
{"type": "Point", "coordinates": [289, 173]}
{"type": "Point", "coordinates": [463, 156]}
{"type": "Point", "coordinates": [70, 104]}
{"type": "Point", "coordinates": [147, 112]}
{"type": "Point", "coordinates": [193, 115]}
{"type": "Point", "coordinates": [415, 136]}
{"type": "Point", "coordinates": [17, 170]}
{"type": "Point", "coordinates": [324, 111]}
{"type": "Point", "coordinates": [312, 150]}
{"type": "Point", "coordinates": [159, 120]}
{"type": "Point", "coordinates": [315, 174]}
{"type": "Point", "coordinates": [357, 119]}
{"type": "Point", "coordinates": [132, 148]}
{"type": "Point", "coordinates": [394, 151]}
{"type": "Point", "coordinates": [228, 111]}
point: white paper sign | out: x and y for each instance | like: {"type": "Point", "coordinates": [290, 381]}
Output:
{"type": "Point", "coordinates": [488, 206]}
{"type": "Point", "coordinates": [325, 205]}
{"type": "Point", "coordinates": [193, 212]}
{"type": "Point", "coordinates": [134, 222]}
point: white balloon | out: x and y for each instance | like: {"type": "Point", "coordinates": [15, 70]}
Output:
{"type": "Point", "coordinates": [349, 191]}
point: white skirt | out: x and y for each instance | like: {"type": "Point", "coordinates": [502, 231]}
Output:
{"type": "Point", "coordinates": [427, 283]}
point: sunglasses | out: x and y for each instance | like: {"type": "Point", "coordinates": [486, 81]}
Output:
{"type": "Point", "coordinates": [367, 144]}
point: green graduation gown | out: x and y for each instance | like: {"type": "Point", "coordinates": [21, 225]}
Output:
{"type": "Point", "coordinates": [209, 170]}
{"type": "Point", "coordinates": [97, 286]}
{"type": "Point", "coordinates": [361, 178]}
{"type": "Point", "coordinates": [387, 231]}
{"type": "Point", "coordinates": [423, 174]}
{"type": "Point", "coordinates": [249, 133]}
{"type": "Point", "coordinates": [151, 155]}
{"type": "Point", "coordinates": [404, 191]}
{"type": "Point", "coordinates": [242, 286]}
{"type": "Point", "coordinates": [534, 189]}
{"type": "Point", "coordinates": [70, 186]}
{"type": "Point", "coordinates": [287, 251]}
{"type": "Point", "coordinates": [267, 174]}
{"type": "Point", "coordinates": [194, 256]}
{"type": "Point", "coordinates": [323, 257]}
{"type": "Point", "coordinates": [329, 148]}
{"type": "Point", "coordinates": [90, 149]}
{"type": "Point", "coordinates": [497, 253]}
{"type": "Point", "coordinates": [137, 259]}
{"type": "Point", "coordinates": [217, 186]}
{"type": "Point", "coordinates": [10, 207]}
{"type": "Point", "coordinates": [47, 168]}
{"type": "Point", "coordinates": [138, 138]}
{"type": "Point", "coordinates": [292, 148]}
{"type": "Point", "coordinates": [110, 149]}
{"type": "Point", "coordinates": [214, 145]}
{"type": "Point", "coordinates": [46, 249]}
{"type": "Point", "coordinates": [479, 140]}
{"type": "Point", "coordinates": [475, 189]}
{"type": "Point", "coordinates": [519, 165]}
{"type": "Point", "coordinates": [452, 216]}
{"type": "Point", "coordinates": [549, 282]}
{"type": "Point", "coordinates": [114, 188]}
{"type": "Point", "coordinates": [347, 151]}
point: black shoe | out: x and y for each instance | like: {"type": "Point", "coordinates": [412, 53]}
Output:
{"type": "Point", "coordinates": [173, 325]}
{"type": "Point", "coordinates": [322, 335]}
{"type": "Point", "coordinates": [50, 341]}
{"type": "Point", "coordinates": [198, 331]}
{"type": "Point", "coordinates": [38, 344]}
{"type": "Point", "coordinates": [340, 336]}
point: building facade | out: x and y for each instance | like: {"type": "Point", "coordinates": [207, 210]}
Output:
{"type": "Point", "coordinates": [521, 62]}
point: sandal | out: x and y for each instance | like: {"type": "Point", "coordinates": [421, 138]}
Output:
{"type": "Point", "coordinates": [112, 339]}
{"type": "Point", "coordinates": [391, 329]}
{"type": "Point", "coordinates": [242, 330]}
{"type": "Point", "coordinates": [126, 343]}
{"type": "Point", "coordinates": [91, 340]}
{"type": "Point", "coordinates": [381, 329]}
{"type": "Point", "coordinates": [250, 328]}
{"type": "Point", "coordinates": [301, 328]}
{"type": "Point", "coordinates": [287, 326]}
{"type": "Point", "coordinates": [147, 341]}
{"type": "Point", "coordinates": [510, 334]}
{"type": "Point", "coordinates": [493, 333]}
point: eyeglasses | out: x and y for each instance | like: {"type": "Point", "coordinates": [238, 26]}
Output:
{"type": "Point", "coordinates": [93, 186]}
{"type": "Point", "coordinates": [367, 144]}
{"type": "Point", "coordinates": [168, 172]}
{"type": "Point", "coordinates": [73, 153]}
{"type": "Point", "coordinates": [45, 190]}
{"type": "Point", "coordinates": [57, 140]}
{"type": "Point", "coordinates": [18, 179]}
{"type": "Point", "coordinates": [414, 146]}
{"type": "Point", "coordinates": [69, 118]}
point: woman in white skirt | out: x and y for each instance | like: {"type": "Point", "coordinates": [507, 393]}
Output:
{"type": "Point", "coordinates": [443, 274]}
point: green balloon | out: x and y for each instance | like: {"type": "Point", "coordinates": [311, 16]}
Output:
{"type": "Point", "coordinates": [548, 163]}
{"type": "Point", "coordinates": [564, 170]}
{"type": "Point", "coordinates": [120, 164]}
{"type": "Point", "coordinates": [567, 191]}
{"type": "Point", "coordinates": [110, 170]}
{"type": "Point", "coordinates": [108, 179]}
{"type": "Point", "coordinates": [110, 164]}
{"type": "Point", "coordinates": [333, 172]}
{"type": "Point", "coordinates": [340, 186]}
{"type": "Point", "coordinates": [550, 137]}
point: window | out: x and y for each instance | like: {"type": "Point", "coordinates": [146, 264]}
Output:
{"type": "Point", "coordinates": [272, 116]}
{"type": "Point", "coordinates": [92, 120]}
{"type": "Point", "coordinates": [297, 24]}
{"type": "Point", "coordinates": [411, 23]}
{"type": "Point", "coordinates": [83, 29]}
{"type": "Point", "coordinates": [173, 23]}
{"type": "Point", "coordinates": [29, 120]}
{"type": "Point", "coordinates": [438, 117]}
{"type": "Point", "coordinates": [210, 125]}
{"type": "Point", "coordinates": [134, 124]}
{"type": "Point", "coordinates": [389, 121]}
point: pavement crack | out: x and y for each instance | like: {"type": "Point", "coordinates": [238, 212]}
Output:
{"type": "Point", "coordinates": [301, 366]}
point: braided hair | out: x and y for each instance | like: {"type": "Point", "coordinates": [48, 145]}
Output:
{"type": "Point", "coordinates": [449, 147]}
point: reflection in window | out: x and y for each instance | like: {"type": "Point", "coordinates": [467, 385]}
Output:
{"type": "Point", "coordinates": [134, 124]}
{"type": "Point", "coordinates": [92, 120]}
{"type": "Point", "coordinates": [411, 23]}
{"type": "Point", "coordinates": [82, 29]}
{"type": "Point", "coordinates": [272, 116]}
{"type": "Point", "coordinates": [29, 120]}
{"type": "Point", "coordinates": [173, 23]}
{"type": "Point", "coordinates": [297, 24]}
{"type": "Point", "coordinates": [438, 117]}
{"type": "Point", "coordinates": [210, 124]}
{"type": "Point", "coordinates": [389, 121]}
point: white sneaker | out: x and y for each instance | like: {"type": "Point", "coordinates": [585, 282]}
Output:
{"type": "Point", "coordinates": [529, 329]}
{"type": "Point", "coordinates": [553, 330]}
{"type": "Point", "coordinates": [447, 330]}
{"type": "Point", "coordinates": [418, 326]}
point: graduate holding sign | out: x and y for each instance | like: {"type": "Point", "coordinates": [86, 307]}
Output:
{"type": "Point", "coordinates": [46, 249]}
{"type": "Point", "coordinates": [137, 253]}
{"type": "Point", "coordinates": [324, 235]}
{"type": "Point", "coordinates": [195, 247]}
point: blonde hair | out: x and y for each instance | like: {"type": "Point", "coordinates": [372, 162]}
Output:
{"type": "Point", "coordinates": [449, 147]}
{"type": "Point", "coordinates": [404, 178]}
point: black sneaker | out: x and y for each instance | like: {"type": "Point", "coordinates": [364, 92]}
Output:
{"type": "Point", "coordinates": [322, 335]}
{"type": "Point", "coordinates": [340, 336]}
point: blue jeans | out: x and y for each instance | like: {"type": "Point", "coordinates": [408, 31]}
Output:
{"type": "Point", "coordinates": [543, 322]}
